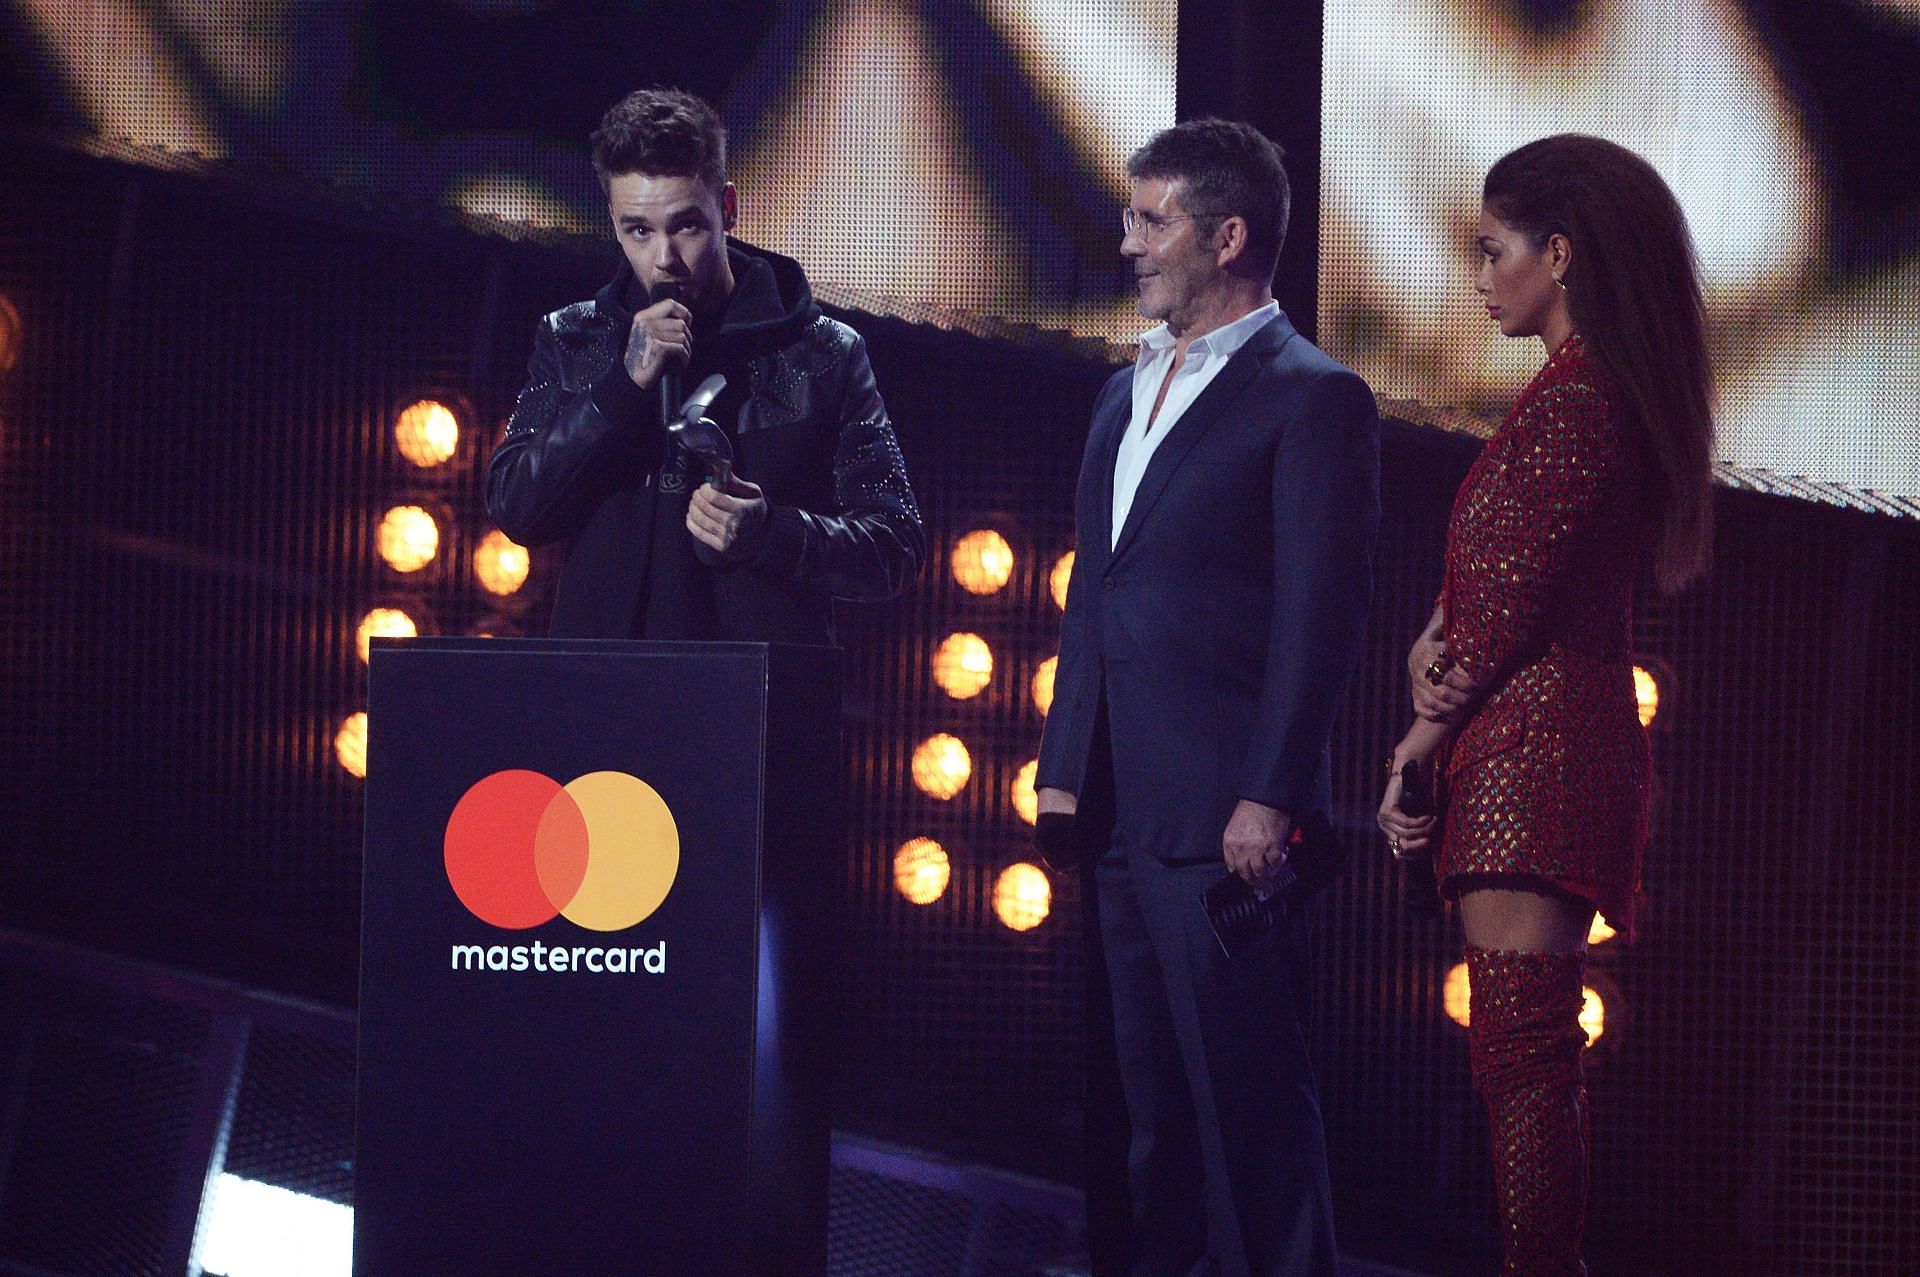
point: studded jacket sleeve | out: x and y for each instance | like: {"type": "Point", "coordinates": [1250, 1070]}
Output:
{"type": "Point", "coordinates": [869, 546]}
{"type": "Point", "coordinates": [579, 430]}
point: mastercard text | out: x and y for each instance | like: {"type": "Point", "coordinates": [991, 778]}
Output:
{"type": "Point", "coordinates": [540, 956]}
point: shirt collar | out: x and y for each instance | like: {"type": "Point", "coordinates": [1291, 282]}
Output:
{"type": "Point", "coordinates": [1224, 341]}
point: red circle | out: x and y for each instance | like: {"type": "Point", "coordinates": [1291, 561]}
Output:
{"type": "Point", "coordinates": [490, 844]}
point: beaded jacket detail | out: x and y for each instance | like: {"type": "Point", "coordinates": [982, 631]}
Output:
{"type": "Point", "coordinates": [1551, 776]}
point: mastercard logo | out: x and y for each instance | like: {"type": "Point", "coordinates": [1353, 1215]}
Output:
{"type": "Point", "coordinates": [601, 851]}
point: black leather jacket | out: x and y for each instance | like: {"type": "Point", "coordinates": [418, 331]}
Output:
{"type": "Point", "coordinates": [585, 457]}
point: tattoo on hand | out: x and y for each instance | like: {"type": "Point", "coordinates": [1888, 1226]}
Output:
{"type": "Point", "coordinates": [636, 354]}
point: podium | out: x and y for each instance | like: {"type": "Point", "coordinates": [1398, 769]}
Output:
{"type": "Point", "coordinates": [593, 1002]}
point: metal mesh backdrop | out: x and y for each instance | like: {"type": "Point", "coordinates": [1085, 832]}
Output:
{"type": "Point", "coordinates": [197, 443]}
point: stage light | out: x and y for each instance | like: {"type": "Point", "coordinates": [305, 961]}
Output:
{"type": "Point", "coordinates": [1593, 1013]}
{"type": "Point", "coordinates": [941, 766]}
{"type": "Point", "coordinates": [1455, 994]}
{"type": "Point", "coordinates": [350, 744]}
{"type": "Point", "coordinates": [427, 433]}
{"type": "Point", "coordinates": [251, 1229]}
{"type": "Point", "coordinates": [1646, 692]}
{"type": "Point", "coordinates": [1599, 931]}
{"type": "Point", "coordinates": [921, 870]}
{"type": "Point", "coordinates": [982, 561]}
{"type": "Point", "coordinates": [500, 565]}
{"type": "Point", "coordinates": [383, 622]}
{"type": "Point", "coordinates": [1022, 897]}
{"type": "Point", "coordinates": [1058, 579]}
{"type": "Point", "coordinates": [1455, 999]}
{"type": "Point", "coordinates": [963, 665]}
{"type": "Point", "coordinates": [1043, 683]}
{"type": "Point", "coordinates": [408, 538]}
{"type": "Point", "coordinates": [1026, 801]}
{"type": "Point", "coordinates": [10, 334]}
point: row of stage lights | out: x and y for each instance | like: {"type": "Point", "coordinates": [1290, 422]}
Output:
{"type": "Point", "coordinates": [409, 538]}
{"type": "Point", "coordinates": [982, 563]}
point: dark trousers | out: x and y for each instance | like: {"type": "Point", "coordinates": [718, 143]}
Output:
{"type": "Point", "coordinates": [1227, 1160]}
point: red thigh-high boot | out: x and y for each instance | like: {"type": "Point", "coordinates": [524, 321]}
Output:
{"type": "Point", "coordinates": [1525, 1036]}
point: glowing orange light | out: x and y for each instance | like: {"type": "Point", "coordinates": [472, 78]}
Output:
{"type": "Point", "coordinates": [982, 561]}
{"type": "Point", "coordinates": [500, 565]}
{"type": "Point", "coordinates": [350, 744]}
{"type": "Point", "coordinates": [1599, 931]}
{"type": "Point", "coordinates": [1022, 896]}
{"type": "Point", "coordinates": [408, 538]}
{"type": "Point", "coordinates": [921, 870]}
{"type": "Point", "coordinates": [1593, 1013]}
{"type": "Point", "coordinates": [1646, 693]}
{"type": "Point", "coordinates": [963, 665]}
{"type": "Point", "coordinates": [1455, 998]}
{"type": "Point", "coordinates": [1455, 994]}
{"type": "Point", "coordinates": [428, 433]}
{"type": "Point", "coordinates": [1058, 579]}
{"type": "Point", "coordinates": [1025, 801]}
{"type": "Point", "coordinates": [941, 766]}
{"type": "Point", "coordinates": [383, 622]}
{"type": "Point", "coordinates": [1043, 683]}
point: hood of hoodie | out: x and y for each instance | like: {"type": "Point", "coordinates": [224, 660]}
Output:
{"type": "Point", "coordinates": [770, 306]}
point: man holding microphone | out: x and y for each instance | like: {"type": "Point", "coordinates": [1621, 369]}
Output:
{"type": "Point", "coordinates": [663, 547]}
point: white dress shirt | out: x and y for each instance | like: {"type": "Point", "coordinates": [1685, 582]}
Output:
{"type": "Point", "coordinates": [1207, 354]}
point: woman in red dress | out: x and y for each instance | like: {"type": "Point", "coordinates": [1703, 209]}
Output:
{"type": "Point", "coordinates": [1524, 706]}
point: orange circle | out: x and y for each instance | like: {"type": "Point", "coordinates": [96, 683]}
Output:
{"type": "Point", "coordinates": [633, 851]}
{"type": "Point", "coordinates": [603, 850]}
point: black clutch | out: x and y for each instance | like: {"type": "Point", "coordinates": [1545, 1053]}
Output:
{"type": "Point", "coordinates": [1419, 892]}
{"type": "Point", "coordinates": [1241, 914]}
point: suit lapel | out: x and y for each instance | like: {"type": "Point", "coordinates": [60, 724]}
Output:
{"type": "Point", "coordinates": [1109, 425]}
{"type": "Point", "coordinates": [1194, 423]}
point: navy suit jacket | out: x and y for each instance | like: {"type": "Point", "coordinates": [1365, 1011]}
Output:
{"type": "Point", "coordinates": [1222, 628]}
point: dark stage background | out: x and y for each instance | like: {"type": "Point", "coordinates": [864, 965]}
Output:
{"type": "Point", "coordinates": [199, 443]}
{"type": "Point", "coordinates": [202, 363]}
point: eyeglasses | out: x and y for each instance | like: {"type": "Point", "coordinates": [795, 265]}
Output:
{"type": "Point", "coordinates": [1135, 222]}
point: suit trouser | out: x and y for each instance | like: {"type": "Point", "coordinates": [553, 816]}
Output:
{"type": "Point", "coordinates": [1227, 1162]}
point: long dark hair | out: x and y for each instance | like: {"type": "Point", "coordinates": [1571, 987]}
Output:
{"type": "Point", "coordinates": [1633, 290]}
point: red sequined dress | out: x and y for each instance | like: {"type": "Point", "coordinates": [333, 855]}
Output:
{"type": "Point", "coordinates": [1550, 776]}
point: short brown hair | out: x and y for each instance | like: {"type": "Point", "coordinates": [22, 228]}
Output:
{"type": "Point", "coordinates": [662, 133]}
{"type": "Point", "coordinates": [1230, 169]}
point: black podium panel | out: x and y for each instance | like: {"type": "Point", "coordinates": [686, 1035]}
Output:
{"type": "Point", "coordinates": [592, 982]}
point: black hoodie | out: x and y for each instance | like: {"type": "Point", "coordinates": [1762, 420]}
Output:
{"type": "Point", "coordinates": [586, 457]}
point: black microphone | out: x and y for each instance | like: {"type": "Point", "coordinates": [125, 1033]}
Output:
{"type": "Point", "coordinates": [1419, 889]}
{"type": "Point", "coordinates": [667, 290]}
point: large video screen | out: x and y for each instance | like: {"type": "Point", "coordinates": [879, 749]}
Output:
{"type": "Point", "coordinates": [951, 155]}
{"type": "Point", "coordinates": [1787, 132]}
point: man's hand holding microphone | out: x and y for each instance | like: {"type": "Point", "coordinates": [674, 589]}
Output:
{"type": "Point", "coordinates": [728, 521]}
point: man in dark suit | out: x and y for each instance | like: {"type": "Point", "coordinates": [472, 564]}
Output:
{"type": "Point", "coordinates": [1226, 512]}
